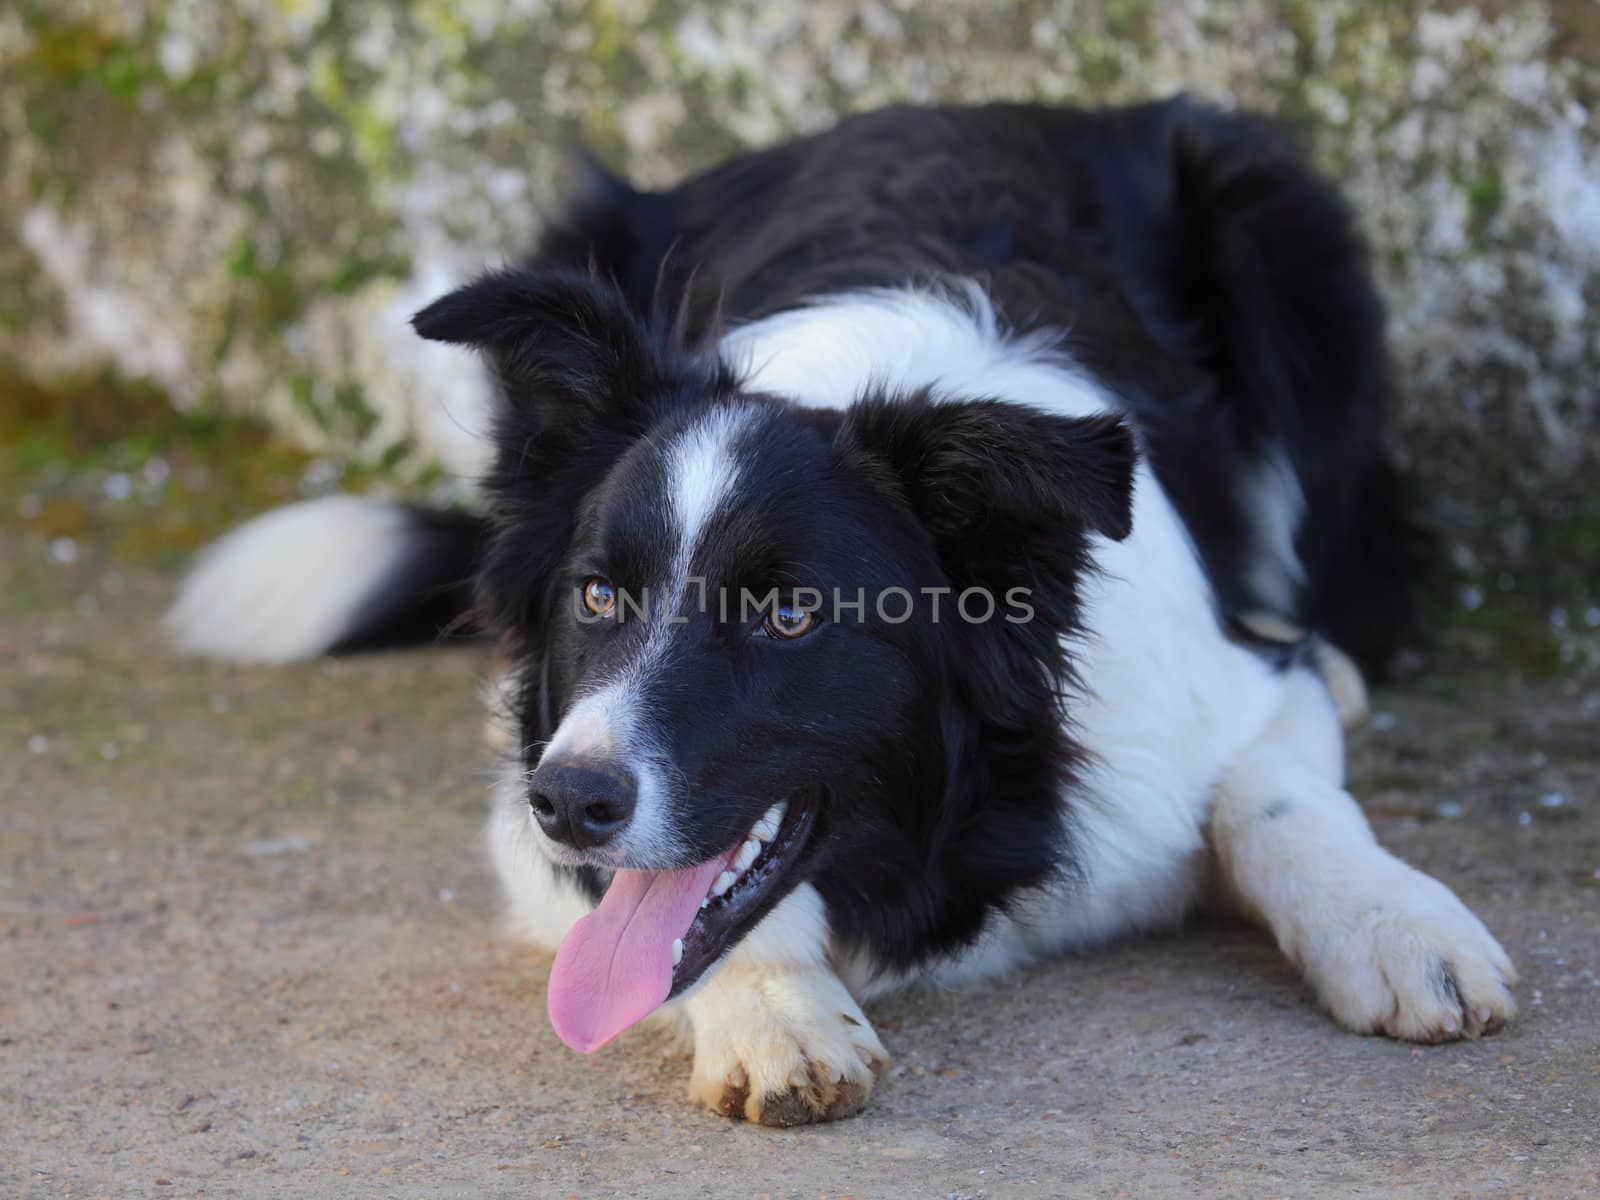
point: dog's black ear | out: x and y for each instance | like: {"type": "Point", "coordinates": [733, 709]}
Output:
{"type": "Point", "coordinates": [564, 339]}
{"type": "Point", "coordinates": [1009, 497]}
{"type": "Point", "coordinates": [973, 468]}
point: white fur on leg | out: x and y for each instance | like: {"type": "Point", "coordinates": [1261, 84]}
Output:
{"type": "Point", "coordinates": [1388, 949]}
{"type": "Point", "coordinates": [778, 1039]}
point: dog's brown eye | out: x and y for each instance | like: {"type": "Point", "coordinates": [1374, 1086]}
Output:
{"type": "Point", "coordinates": [789, 621]}
{"type": "Point", "coordinates": [599, 597]}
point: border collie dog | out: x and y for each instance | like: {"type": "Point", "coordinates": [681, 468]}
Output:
{"type": "Point", "coordinates": [914, 550]}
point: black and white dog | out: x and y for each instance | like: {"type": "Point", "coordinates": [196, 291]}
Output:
{"type": "Point", "coordinates": [915, 549]}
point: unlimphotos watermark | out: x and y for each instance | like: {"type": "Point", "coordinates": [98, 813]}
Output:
{"type": "Point", "coordinates": [891, 605]}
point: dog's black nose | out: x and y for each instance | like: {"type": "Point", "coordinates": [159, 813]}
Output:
{"type": "Point", "coordinates": [582, 806]}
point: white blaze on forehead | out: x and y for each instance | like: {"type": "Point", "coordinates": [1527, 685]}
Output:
{"type": "Point", "coordinates": [611, 719]}
{"type": "Point", "coordinates": [701, 473]}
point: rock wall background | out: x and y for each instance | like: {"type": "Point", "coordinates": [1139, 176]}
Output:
{"type": "Point", "coordinates": [240, 203]}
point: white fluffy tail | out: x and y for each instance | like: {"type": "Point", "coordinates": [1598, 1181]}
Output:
{"type": "Point", "coordinates": [323, 576]}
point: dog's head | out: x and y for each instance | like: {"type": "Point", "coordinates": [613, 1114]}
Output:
{"type": "Point", "coordinates": [760, 645]}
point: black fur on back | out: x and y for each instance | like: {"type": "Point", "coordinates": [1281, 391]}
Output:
{"type": "Point", "coordinates": [1192, 261]}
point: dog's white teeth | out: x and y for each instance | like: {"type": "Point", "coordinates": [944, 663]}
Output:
{"type": "Point", "coordinates": [677, 951]}
{"type": "Point", "coordinates": [723, 883]}
{"type": "Point", "coordinates": [705, 904]}
{"type": "Point", "coordinates": [747, 855]}
{"type": "Point", "coordinates": [767, 828]}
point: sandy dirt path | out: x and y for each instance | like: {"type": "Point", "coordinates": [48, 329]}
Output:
{"type": "Point", "coordinates": [247, 948]}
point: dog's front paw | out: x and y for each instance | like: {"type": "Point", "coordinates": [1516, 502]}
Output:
{"type": "Point", "coordinates": [782, 1047]}
{"type": "Point", "coordinates": [1409, 960]}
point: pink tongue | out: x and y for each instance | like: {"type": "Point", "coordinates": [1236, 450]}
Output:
{"type": "Point", "coordinates": [614, 967]}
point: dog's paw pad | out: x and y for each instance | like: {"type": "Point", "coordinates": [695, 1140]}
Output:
{"type": "Point", "coordinates": [735, 1093]}
{"type": "Point", "coordinates": [1420, 968]}
{"type": "Point", "coordinates": [810, 1093]}
{"type": "Point", "coordinates": [771, 1058]}
{"type": "Point", "coordinates": [780, 1112]}
{"type": "Point", "coordinates": [816, 1093]}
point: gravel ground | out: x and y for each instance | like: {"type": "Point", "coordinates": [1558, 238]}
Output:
{"type": "Point", "coordinates": [249, 950]}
